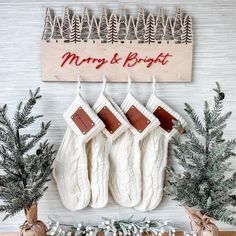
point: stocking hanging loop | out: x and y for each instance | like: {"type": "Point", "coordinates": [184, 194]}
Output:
{"type": "Point", "coordinates": [129, 84]}
{"type": "Point", "coordinates": [79, 85]}
{"type": "Point", "coordinates": [104, 80]}
{"type": "Point", "coordinates": [154, 84]}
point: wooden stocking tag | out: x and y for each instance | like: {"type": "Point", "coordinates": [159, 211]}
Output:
{"type": "Point", "coordinates": [109, 119]}
{"type": "Point", "coordinates": [137, 119]}
{"type": "Point", "coordinates": [82, 120]}
{"type": "Point", "coordinates": [165, 118]}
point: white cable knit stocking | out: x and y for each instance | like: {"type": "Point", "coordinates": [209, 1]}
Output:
{"type": "Point", "coordinates": [70, 166]}
{"type": "Point", "coordinates": [154, 154]}
{"type": "Point", "coordinates": [98, 149]}
{"type": "Point", "coordinates": [125, 174]}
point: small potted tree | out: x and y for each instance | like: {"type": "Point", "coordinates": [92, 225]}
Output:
{"type": "Point", "coordinates": [25, 167]}
{"type": "Point", "coordinates": [203, 188]}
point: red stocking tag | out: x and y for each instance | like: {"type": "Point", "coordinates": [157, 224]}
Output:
{"type": "Point", "coordinates": [109, 119]}
{"type": "Point", "coordinates": [137, 119]}
{"type": "Point", "coordinates": [82, 120]}
{"type": "Point", "coordinates": [165, 118]}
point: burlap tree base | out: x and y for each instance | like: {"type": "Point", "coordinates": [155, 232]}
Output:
{"type": "Point", "coordinates": [33, 226]}
{"type": "Point", "coordinates": [201, 224]}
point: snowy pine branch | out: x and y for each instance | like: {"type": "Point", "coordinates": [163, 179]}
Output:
{"type": "Point", "coordinates": [204, 154]}
{"type": "Point", "coordinates": [24, 174]}
{"type": "Point", "coordinates": [22, 118]}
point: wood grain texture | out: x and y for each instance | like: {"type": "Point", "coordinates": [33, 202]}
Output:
{"type": "Point", "coordinates": [21, 24]}
{"type": "Point", "coordinates": [174, 68]}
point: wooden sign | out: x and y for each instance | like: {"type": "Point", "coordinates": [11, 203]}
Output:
{"type": "Point", "coordinates": [117, 47]}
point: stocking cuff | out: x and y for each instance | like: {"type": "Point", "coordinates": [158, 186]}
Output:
{"type": "Point", "coordinates": [116, 123]}
{"type": "Point", "coordinates": [142, 116]}
{"type": "Point", "coordinates": [86, 123]}
{"type": "Point", "coordinates": [118, 109]}
{"type": "Point", "coordinates": [154, 103]}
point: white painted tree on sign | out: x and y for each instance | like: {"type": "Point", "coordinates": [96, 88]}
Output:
{"type": "Point", "coordinates": [144, 29]}
{"type": "Point", "coordinates": [75, 29]}
{"type": "Point", "coordinates": [66, 27]}
{"type": "Point", "coordinates": [131, 34]}
{"type": "Point", "coordinates": [187, 36]}
{"type": "Point", "coordinates": [159, 27]}
{"type": "Point", "coordinates": [103, 25]}
{"type": "Point", "coordinates": [168, 35]}
{"type": "Point", "coordinates": [47, 33]}
{"type": "Point", "coordinates": [160, 17]}
{"type": "Point", "coordinates": [141, 25]}
{"type": "Point", "coordinates": [56, 33]}
{"type": "Point", "coordinates": [178, 26]}
{"type": "Point", "coordinates": [149, 36]}
{"type": "Point", "coordinates": [122, 31]}
{"type": "Point", "coordinates": [112, 29]}
{"type": "Point", "coordinates": [94, 30]}
{"type": "Point", "coordinates": [85, 26]}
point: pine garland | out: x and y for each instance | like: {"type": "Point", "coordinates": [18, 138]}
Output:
{"type": "Point", "coordinates": [204, 154]}
{"type": "Point", "coordinates": [108, 226]}
{"type": "Point", "coordinates": [25, 172]}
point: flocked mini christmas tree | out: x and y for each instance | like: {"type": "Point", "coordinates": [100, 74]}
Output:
{"type": "Point", "coordinates": [25, 167]}
{"type": "Point", "coordinates": [204, 154]}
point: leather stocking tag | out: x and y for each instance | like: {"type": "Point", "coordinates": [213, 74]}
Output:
{"type": "Point", "coordinates": [109, 119]}
{"type": "Point", "coordinates": [82, 120]}
{"type": "Point", "coordinates": [137, 119]}
{"type": "Point", "coordinates": [165, 118]}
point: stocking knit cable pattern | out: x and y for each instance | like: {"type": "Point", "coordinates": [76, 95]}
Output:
{"type": "Point", "coordinates": [125, 174]}
{"type": "Point", "coordinates": [98, 150]}
{"type": "Point", "coordinates": [154, 158]}
{"type": "Point", "coordinates": [70, 166]}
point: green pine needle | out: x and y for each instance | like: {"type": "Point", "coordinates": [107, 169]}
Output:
{"type": "Point", "coordinates": [25, 173]}
{"type": "Point", "coordinates": [204, 154]}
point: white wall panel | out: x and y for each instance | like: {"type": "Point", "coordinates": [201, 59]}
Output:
{"type": "Point", "coordinates": [21, 25]}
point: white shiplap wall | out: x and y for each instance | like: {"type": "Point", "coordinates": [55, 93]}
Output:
{"type": "Point", "coordinates": [21, 25]}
